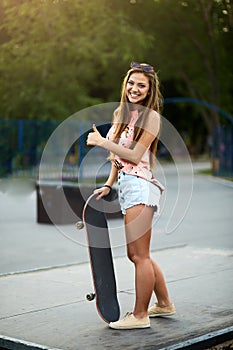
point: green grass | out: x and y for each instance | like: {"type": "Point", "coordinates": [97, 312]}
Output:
{"type": "Point", "coordinates": [205, 172]}
{"type": "Point", "coordinates": [209, 172]}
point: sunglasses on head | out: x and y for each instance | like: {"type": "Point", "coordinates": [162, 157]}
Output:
{"type": "Point", "coordinates": [144, 67]}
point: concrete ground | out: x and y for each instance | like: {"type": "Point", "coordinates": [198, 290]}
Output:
{"type": "Point", "coordinates": [43, 283]}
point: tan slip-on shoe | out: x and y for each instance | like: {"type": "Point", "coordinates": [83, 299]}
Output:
{"type": "Point", "coordinates": [131, 322]}
{"type": "Point", "coordinates": [156, 311]}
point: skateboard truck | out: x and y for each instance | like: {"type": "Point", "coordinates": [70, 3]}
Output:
{"type": "Point", "coordinates": [90, 296]}
{"type": "Point", "coordinates": [79, 225]}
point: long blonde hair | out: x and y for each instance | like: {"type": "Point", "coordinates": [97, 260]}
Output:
{"type": "Point", "coordinates": [153, 101]}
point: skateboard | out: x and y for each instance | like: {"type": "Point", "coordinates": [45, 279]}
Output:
{"type": "Point", "coordinates": [105, 291]}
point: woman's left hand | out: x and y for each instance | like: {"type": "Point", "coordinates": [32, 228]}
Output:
{"type": "Point", "coordinates": [94, 138]}
{"type": "Point", "coordinates": [103, 191]}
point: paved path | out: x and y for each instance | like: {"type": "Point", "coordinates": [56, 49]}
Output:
{"type": "Point", "coordinates": [48, 306]}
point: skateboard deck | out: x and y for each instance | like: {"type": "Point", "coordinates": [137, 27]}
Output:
{"type": "Point", "coordinates": [95, 223]}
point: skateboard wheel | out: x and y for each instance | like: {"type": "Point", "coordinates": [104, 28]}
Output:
{"type": "Point", "coordinates": [90, 296]}
{"type": "Point", "coordinates": [79, 225]}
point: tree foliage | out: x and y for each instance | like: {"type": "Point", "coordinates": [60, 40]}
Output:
{"type": "Point", "coordinates": [192, 44]}
{"type": "Point", "coordinates": [59, 56]}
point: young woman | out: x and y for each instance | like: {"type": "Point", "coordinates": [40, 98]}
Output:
{"type": "Point", "coordinates": [132, 142]}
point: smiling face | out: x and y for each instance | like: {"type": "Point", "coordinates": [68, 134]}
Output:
{"type": "Point", "coordinates": [137, 88]}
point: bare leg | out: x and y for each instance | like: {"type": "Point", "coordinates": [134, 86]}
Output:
{"type": "Point", "coordinates": [160, 288]}
{"type": "Point", "coordinates": [138, 222]}
{"type": "Point", "coordinates": [148, 276]}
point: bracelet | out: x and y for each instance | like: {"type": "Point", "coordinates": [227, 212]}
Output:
{"type": "Point", "coordinates": [108, 187]}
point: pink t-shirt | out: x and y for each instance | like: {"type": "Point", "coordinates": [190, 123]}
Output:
{"type": "Point", "coordinates": [142, 169]}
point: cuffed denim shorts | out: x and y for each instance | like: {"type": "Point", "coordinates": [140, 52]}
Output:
{"type": "Point", "coordinates": [133, 190]}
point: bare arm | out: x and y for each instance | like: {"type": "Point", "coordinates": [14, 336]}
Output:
{"type": "Point", "coordinates": [132, 155]}
{"type": "Point", "coordinates": [112, 176]}
{"type": "Point", "coordinates": [104, 191]}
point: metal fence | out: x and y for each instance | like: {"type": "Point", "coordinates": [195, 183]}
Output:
{"type": "Point", "coordinates": [223, 150]}
{"type": "Point", "coordinates": [22, 143]}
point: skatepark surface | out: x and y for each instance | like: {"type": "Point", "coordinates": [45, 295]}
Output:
{"type": "Point", "coordinates": [45, 277]}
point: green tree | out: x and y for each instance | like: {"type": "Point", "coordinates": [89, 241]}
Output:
{"type": "Point", "coordinates": [61, 56]}
{"type": "Point", "coordinates": [192, 46]}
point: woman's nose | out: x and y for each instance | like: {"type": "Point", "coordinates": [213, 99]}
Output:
{"type": "Point", "coordinates": [134, 88]}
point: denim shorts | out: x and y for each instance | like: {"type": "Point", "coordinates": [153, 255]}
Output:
{"type": "Point", "coordinates": [133, 190]}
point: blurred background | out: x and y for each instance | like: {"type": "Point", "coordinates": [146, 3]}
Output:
{"type": "Point", "coordinates": [64, 58]}
{"type": "Point", "coordinates": [61, 56]}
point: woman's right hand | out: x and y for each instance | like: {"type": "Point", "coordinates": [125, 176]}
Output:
{"type": "Point", "coordinates": [103, 191]}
